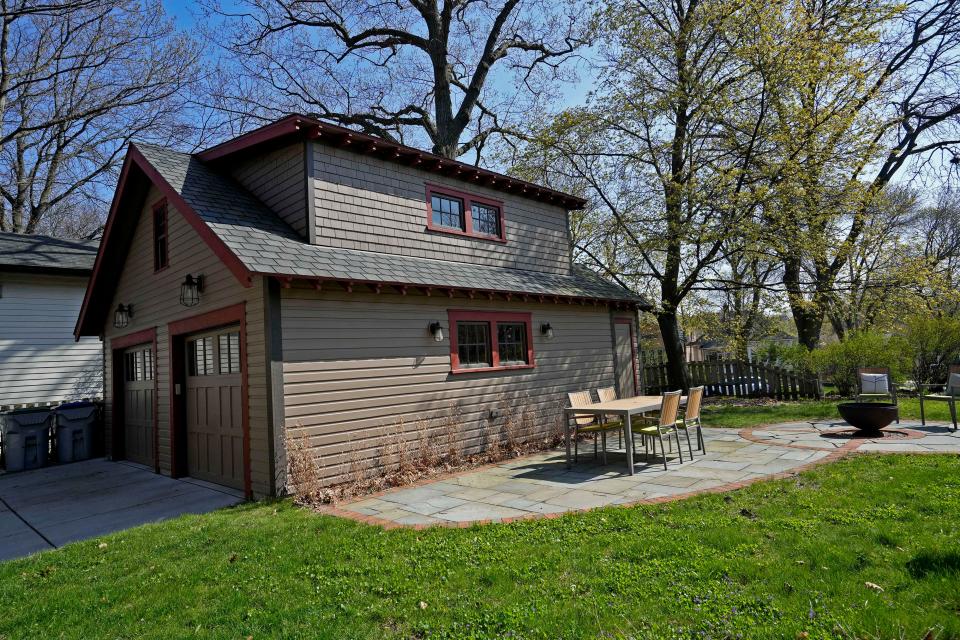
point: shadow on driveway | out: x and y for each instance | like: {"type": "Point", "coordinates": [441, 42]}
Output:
{"type": "Point", "coordinates": [47, 508]}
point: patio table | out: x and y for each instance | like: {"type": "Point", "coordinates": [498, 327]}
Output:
{"type": "Point", "coordinates": [626, 408]}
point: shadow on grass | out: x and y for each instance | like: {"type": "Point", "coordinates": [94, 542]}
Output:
{"type": "Point", "coordinates": [928, 563]}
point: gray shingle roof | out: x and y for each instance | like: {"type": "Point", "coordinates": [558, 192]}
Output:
{"type": "Point", "coordinates": [35, 252]}
{"type": "Point", "coordinates": [267, 245]}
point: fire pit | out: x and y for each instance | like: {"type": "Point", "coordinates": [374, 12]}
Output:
{"type": "Point", "coordinates": [868, 417]}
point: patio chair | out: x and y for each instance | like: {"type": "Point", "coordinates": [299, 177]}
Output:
{"type": "Point", "coordinates": [586, 423]}
{"type": "Point", "coordinates": [950, 395]}
{"type": "Point", "coordinates": [608, 394]}
{"type": "Point", "coordinates": [691, 419]}
{"type": "Point", "coordinates": [664, 425]}
{"type": "Point", "coordinates": [875, 383]}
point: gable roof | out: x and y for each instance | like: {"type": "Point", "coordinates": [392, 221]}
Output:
{"type": "Point", "coordinates": [251, 240]}
{"type": "Point", "coordinates": [296, 126]}
{"type": "Point", "coordinates": [46, 254]}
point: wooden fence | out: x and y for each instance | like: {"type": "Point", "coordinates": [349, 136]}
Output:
{"type": "Point", "coordinates": [738, 378]}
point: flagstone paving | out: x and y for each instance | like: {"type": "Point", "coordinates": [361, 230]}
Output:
{"type": "Point", "coordinates": [541, 485]}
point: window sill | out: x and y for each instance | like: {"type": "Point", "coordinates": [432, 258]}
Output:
{"type": "Point", "coordinates": [464, 234]}
{"type": "Point", "coordinates": [515, 367]}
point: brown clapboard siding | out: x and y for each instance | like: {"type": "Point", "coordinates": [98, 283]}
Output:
{"type": "Point", "coordinates": [357, 364]}
{"type": "Point", "coordinates": [370, 204]}
{"type": "Point", "coordinates": [155, 299]}
{"type": "Point", "coordinates": [278, 179]}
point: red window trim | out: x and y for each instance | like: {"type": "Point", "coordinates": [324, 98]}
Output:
{"type": "Point", "coordinates": [493, 317]}
{"type": "Point", "coordinates": [160, 208]}
{"type": "Point", "coordinates": [468, 200]}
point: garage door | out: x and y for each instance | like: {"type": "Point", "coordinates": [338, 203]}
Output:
{"type": "Point", "coordinates": [215, 407]}
{"type": "Point", "coordinates": [138, 404]}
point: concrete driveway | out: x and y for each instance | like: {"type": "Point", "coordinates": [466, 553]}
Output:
{"type": "Point", "coordinates": [47, 508]}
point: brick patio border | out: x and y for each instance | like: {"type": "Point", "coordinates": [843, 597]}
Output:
{"type": "Point", "coordinates": [847, 449]}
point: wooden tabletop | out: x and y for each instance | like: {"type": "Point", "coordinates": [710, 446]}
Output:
{"type": "Point", "coordinates": [636, 403]}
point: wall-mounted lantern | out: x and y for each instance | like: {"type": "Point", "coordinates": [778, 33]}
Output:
{"type": "Point", "coordinates": [546, 331]}
{"type": "Point", "coordinates": [121, 317]}
{"type": "Point", "coordinates": [437, 331]}
{"type": "Point", "coordinates": [190, 290]}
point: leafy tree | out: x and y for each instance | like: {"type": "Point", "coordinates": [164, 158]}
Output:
{"type": "Point", "coordinates": [662, 152]}
{"type": "Point", "coordinates": [860, 90]}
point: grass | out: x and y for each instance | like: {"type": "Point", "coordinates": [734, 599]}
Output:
{"type": "Point", "coordinates": [740, 417]}
{"type": "Point", "coordinates": [777, 559]}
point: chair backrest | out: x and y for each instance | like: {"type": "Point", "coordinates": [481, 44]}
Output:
{"type": "Point", "coordinates": [580, 399]}
{"type": "Point", "coordinates": [694, 400]}
{"type": "Point", "coordinates": [669, 408]}
{"type": "Point", "coordinates": [885, 371]}
{"type": "Point", "coordinates": [952, 377]}
{"type": "Point", "coordinates": [607, 394]}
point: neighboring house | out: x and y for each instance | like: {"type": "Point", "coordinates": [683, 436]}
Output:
{"type": "Point", "coordinates": [351, 288]}
{"type": "Point", "coordinates": [42, 283]}
{"type": "Point", "coordinates": [703, 349]}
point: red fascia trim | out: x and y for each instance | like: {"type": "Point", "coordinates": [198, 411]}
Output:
{"type": "Point", "coordinates": [160, 206]}
{"type": "Point", "coordinates": [467, 199]}
{"type": "Point", "coordinates": [371, 145]}
{"type": "Point", "coordinates": [493, 317]}
{"type": "Point", "coordinates": [107, 229]}
{"type": "Point", "coordinates": [217, 245]}
{"type": "Point", "coordinates": [131, 339]}
{"type": "Point", "coordinates": [633, 352]}
{"type": "Point", "coordinates": [282, 127]}
{"type": "Point", "coordinates": [227, 315]}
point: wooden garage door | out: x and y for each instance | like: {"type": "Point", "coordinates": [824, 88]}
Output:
{"type": "Point", "coordinates": [215, 407]}
{"type": "Point", "coordinates": [138, 404]}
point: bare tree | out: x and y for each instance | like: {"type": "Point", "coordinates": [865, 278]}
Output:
{"type": "Point", "coordinates": [453, 71]}
{"type": "Point", "coordinates": [78, 81]}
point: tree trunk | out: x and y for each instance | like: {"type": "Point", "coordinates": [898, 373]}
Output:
{"type": "Point", "coordinates": [677, 374]}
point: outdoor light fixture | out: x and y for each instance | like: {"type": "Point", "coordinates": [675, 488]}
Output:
{"type": "Point", "coordinates": [437, 331]}
{"type": "Point", "coordinates": [546, 330]}
{"type": "Point", "coordinates": [190, 290]}
{"type": "Point", "coordinates": [121, 317]}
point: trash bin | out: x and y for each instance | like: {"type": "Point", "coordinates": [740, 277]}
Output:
{"type": "Point", "coordinates": [75, 423]}
{"type": "Point", "coordinates": [26, 438]}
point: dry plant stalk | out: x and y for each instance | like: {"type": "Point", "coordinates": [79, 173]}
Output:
{"type": "Point", "coordinates": [303, 472]}
{"type": "Point", "coordinates": [439, 449]}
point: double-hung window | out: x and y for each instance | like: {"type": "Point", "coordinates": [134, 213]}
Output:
{"type": "Point", "coordinates": [490, 341]}
{"type": "Point", "coordinates": [458, 213]}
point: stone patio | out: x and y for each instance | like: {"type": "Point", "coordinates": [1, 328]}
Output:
{"type": "Point", "coordinates": [541, 485]}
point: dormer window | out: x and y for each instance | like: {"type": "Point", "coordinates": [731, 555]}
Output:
{"type": "Point", "coordinates": [463, 214]}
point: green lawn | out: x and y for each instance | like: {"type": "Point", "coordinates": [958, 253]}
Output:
{"type": "Point", "coordinates": [740, 417]}
{"type": "Point", "coordinates": [774, 560]}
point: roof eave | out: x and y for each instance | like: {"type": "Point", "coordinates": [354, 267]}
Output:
{"type": "Point", "coordinates": [135, 158]}
{"type": "Point", "coordinates": [342, 137]}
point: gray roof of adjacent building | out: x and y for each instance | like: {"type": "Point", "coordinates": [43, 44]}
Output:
{"type": "Point", "coordinates": [266, 245]}
{"type": "Point", "coordinates": [39, 253]}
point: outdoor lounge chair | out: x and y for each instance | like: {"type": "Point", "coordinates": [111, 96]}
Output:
{"type": "Point", "coordinates": [664, 425]}
{"type": "Point", "coordinates": [950, 395]}
{"type": "Point", "coordinates": [875, 383]}
{"type": "Point", "coordinates": [691, 418]}
{"type": "Point", "coordinates": [585, 423]}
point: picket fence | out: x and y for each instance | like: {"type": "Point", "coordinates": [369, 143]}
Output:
{"type": "Point", "coordinates": [737, 378]}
